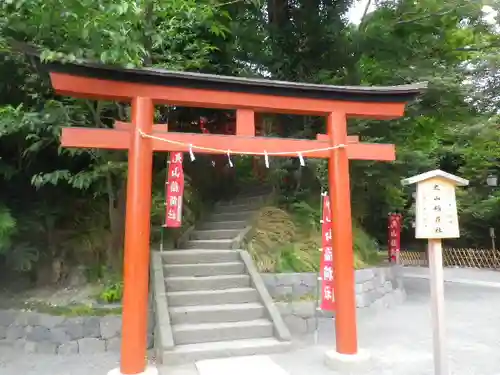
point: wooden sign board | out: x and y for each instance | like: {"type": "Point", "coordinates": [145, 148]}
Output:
{"type": "Point", "coordinates": [437, 219]}
{"type": "Point", "coordinates": [436, 207]}
{"type": "Point", "coordinates": [436, 210]}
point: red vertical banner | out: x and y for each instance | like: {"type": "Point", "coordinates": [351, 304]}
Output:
{"type": "Point", "coordinates": [326, 264]}
{"type": "Point", "coordinates": [394, 236]}
{"type": "Point", "coordinates": [174, 191]}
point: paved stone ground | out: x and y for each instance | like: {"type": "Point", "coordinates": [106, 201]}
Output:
{"type": "Point", "coordinates": [471, 276]}
{"type": "Point", "coordinates": [399, 340]}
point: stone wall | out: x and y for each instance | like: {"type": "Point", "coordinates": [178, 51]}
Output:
{"type": "Point", "coordinates": [42, 333]}
{"type": "Point", "coordinates": [295, 294]}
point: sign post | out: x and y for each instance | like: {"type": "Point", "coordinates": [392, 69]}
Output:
{"type": "Point", "coordinates": [493, 247]}
{"type": "Point", "coordinates": [436, 219]}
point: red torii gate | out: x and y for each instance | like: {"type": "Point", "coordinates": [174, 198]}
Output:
{"type": "Point", "coordinates": [146, 87]}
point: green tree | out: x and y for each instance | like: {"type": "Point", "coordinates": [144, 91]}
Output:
{"type": "Point", "coordinates": [173, 34]}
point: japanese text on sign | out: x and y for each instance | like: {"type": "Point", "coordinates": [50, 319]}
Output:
{"type": "Point", "coordinates": [436, 210]}
{"type": "Point", "coordinates": [174, 191]}
{"type": "Point", "coordinates": [326, 267]}
{"type": "Point", "coordinates": [394, 237]}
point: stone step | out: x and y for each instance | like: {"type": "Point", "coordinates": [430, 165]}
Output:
{"type": "Point", "coordinates": [204, 269]}
{"type": "Point", "coordinates": [212, 297]}
{"type": "Point", "coordinates": [195, 256]}
{"type": "Point", "coordinates": [232, 216]}
{"type": "Point", "coordinates": [222, 349]}
{"type": "Point", "coordinates": [243, 200]}
{"type": "Point", "coordinates": [177, 283]}
{"type": "Point", "coordinates": [210, 244]}
{"type": "Point", "coordinates": [217, 225]}
{"type": "Point", "coordinates": [254, 191]}
{"type": "Point", "coordinates": [218, 234]}
{"type": "Point", "coordinates": [254, 195]}
{"type": "Point", "coordinates": [234, 207]}
{"type": "Point", "coordinates": [216, 313]}
{"type": "Point", "coordinates": [209, 332]}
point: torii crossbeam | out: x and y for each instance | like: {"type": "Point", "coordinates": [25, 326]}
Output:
{"type": "Point", "coordinates": [147, 87]}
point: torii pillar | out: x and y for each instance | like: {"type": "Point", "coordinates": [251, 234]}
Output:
{"type": "Point", "coordinates": [144, 88]}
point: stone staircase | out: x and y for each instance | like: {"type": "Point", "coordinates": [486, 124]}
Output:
{"type": "Point", "coordinates": [210, 301]}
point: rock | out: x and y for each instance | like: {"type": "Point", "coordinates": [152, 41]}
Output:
{"type": "Point", "coordinates": [38, 334]}
{"type": "Point", "coordinates": [363, 300]}
{"type": "Point", "coordinates": [375, 295]}
{"type": "Point", "coordinates": [91, 327]}
{"type": "Point", "coordinates": [3, 332]}
{"type": "Point", "coordinates": [40, 347]}
{"type": "Point", "coordinates": [303, 284]}
{"type": "Point", "coordinates": [326, 314]}
{"type": "Point", "coordinates": [26, 318]}
{"type": "Point", "coordinates": [283, 291]}
{"type": "Point", "coordinates": [388, 300]}
{"type": "Point", "coordinates": [51, 321]}
{"type": "Point", "coordinates": [33, 319]}
{"type": "Point", "coordinates": [59, 336]}
{"type": "Point", "coordinates": [90, 345]}
{"type": "Point", "coordinates": [380, 275]}
{"type": "Point", "coordinates": [74, 328]}
{"type": "Point", "coordinates": [364, 275]}
{"type": "Point", "coordinates": [368, 285]}
{"type": "Point", "coordinates": [304, 309]}
{"type": "Point", "coordinates": [46, 347]}
{"type": "Point", "coordinates": [377, 305]}
{"type": "Point", "coordinates": [114, 344]}
{"type": "Point", "coordinates": [7, 317]}
{"type": "Point", "coordinates": [67, 348]}
{"type": "Point", "coordinates": [284, 308]}
{"type": "Point", "coordinates": [19, 344]}
{"type": "Point", "coordinates": [358, 288]}
{"type": "Point", "coordinates": [110, 327]}
{"type": "Point", "coordinates": [14, 333]}
{"type": "Point", "coordinates": [399, 295]}
{"type": "Point", "coordinates": [388, 286]}
{"type": "Point", "coordinates": [30, 347]}
{"type": "Point", "coordinates": [77, 277]}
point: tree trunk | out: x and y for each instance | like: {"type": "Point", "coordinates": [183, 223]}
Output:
{"type": "Point", "coordinates": [116, 200]}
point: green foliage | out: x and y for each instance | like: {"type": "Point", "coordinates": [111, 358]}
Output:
{"type": "Point", "coordinates": [19, 255]}
{"type": "Point", "coordinates": [7, 227]}
{"type": "Point", "coordinates": [112, 292]}
{"type": "Point", "coordinates": [72, 310]}
{"type": "Point", "coordinates": [178, 35]}
{"type": "Point", "coordinates": [306, 216]}
{"type": "Point", "coordinates": [365, 246]}
{"type": "Point", "coordinates": [288, 241]}
{"type": "Point", "coordinates": [299, 257]}
{"type": "Point", "coordinates": [124, 32]}
{"type": "Point", "coordinates": [22, 257]}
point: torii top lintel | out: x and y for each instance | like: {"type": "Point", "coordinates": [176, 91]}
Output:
{"type": "Point", "coordinates": [99, 81]}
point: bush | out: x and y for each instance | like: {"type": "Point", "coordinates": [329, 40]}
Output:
{"type": "Point", "coordinates": [7, 228]}
{"type": "Point", "coordinates": [112, 293]}
{"type": "Point", "coordinates": [288, 240]}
